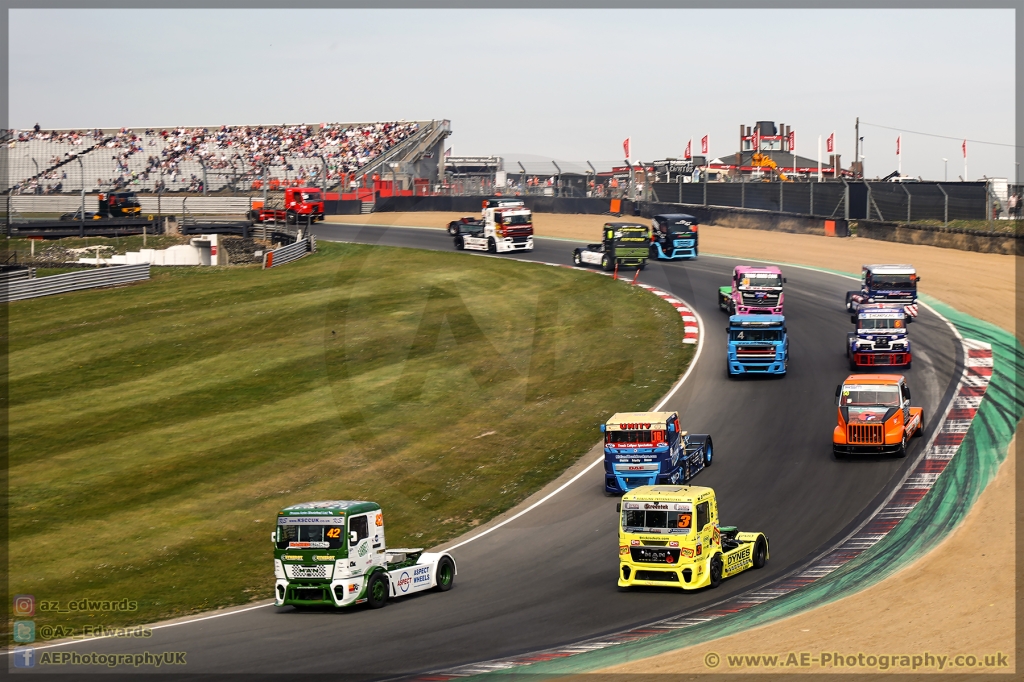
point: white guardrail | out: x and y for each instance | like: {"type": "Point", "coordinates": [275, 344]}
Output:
{"type": "Point", "coordinates": [35, 287]}
{"type": "Point", "coordinates": [167, 203]}
{"type": "Point", "coordinates": [287, 254]}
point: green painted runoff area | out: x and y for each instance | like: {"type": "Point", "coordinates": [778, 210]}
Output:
{"type": "Point", "coordinates": [157, 428]}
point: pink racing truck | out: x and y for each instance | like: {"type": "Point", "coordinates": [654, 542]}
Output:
{"type": "Point", "coordinates": [755, 290]}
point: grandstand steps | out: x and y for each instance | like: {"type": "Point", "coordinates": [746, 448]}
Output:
{"type": "Point", "coordinates": [367, 207]}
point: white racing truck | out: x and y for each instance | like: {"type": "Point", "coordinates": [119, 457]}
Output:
{"type": "Point", "coordinates": [332, 553]}
{"type": "Point", "coordinates": [506, 226]}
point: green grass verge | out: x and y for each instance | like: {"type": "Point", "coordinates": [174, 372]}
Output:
{"type": "Point", "coordinates": [156, 429]}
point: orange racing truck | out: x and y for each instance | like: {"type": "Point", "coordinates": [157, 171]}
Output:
{"type": "Point", "coordinates": [875, 416]}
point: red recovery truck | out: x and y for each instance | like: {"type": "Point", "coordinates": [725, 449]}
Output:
{"type": "Point", "coordinates": [295, 205]}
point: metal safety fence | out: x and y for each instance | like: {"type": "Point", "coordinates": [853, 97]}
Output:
{"type": "Point", "coordinates": [35, 287]}
{"type": "Point", "coordinates": [287, 254]}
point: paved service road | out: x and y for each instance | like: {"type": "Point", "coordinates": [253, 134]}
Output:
{"type": "Point", "coordinates": [549, 577]}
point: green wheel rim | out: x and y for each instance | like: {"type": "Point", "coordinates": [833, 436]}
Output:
{"type": "Point", "coordinates": [378, 590]}
{"type": "Point", "coordinates": [445, 576]}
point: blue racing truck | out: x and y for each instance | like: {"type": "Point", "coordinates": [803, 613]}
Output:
{"type": "Point", "coordinates": [673, 236]}
{"type": "Point", "coordinates": [891, 285]}
{"type": "Point", "coordinates": [647, 448]}
{"type": "Point", "coordinates": [758, 344]}
{"type": "Point", "coordinates": [880, 339]}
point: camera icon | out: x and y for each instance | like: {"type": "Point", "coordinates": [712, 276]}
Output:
{"type": "Point", "coordinates": [24, 605]}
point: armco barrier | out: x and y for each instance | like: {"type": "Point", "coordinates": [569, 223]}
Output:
{"type": "Point", "coordinates": [287, 254]}
{"type": "Point", "coordinates": [472, 204]}
{"type": "Point", "coordinates": [73, 281]}
{"type": "Point", "coordinates": [750, 219]}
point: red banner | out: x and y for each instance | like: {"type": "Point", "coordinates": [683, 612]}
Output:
{"type": "Point", "coordinates": [704, 145]}
{"type": "Point", "coordinates": [965, 148]}
{"type": "Point", "coordinates": [897, 145]}
{"type": "Point", "coordinates": [792, 141]}
{"type": "Point", "coordinates": [689, 145]}
{"type": "Point", "coordinates": [625, 147]}
{"type": "Point", "coordinates": [830, 144]}
{"type": "Point", "coordinates": [757, 139]}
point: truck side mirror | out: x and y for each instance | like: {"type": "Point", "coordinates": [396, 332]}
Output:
{"type": "Point", "coordinates": [853, 318]}
{"type": "Point", "coordinates": [839, 390]}
{"type": "Point", "coordinates": [602, 428]}
{"type": "Point", "coordinates": [353, 538]}
{"type": "Point", "coordinates": [618, 507]}
{"type": "Point", "coordinates": [783, 280]}
{"type": "Point", "coordinates": [273, 537]}
{"type": "Point", "coordinates": [671, 427]}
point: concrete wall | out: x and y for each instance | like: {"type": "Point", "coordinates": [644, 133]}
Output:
{"type": "Point", "coordinates": [944, 237]}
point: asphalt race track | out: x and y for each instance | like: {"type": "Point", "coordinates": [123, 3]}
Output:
{"type": "Point", "coordinates": [549, 577]}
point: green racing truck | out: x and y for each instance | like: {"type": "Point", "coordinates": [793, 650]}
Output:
{"type": "Point", "coordinates": [623, 244]}
{"type": "Point", "coordinates": [333, 553]}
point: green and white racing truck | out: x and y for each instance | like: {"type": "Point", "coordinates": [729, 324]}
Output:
{"type": "Point", "coordinates": [623, 244]}
{"type": "Point", "coordinates": [332, 553]}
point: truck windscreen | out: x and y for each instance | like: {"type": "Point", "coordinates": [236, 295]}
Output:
{"type": "Point", "coordinates": [760, 279]}
{"type": "Point", "coordinates": [639, 520]}
{"type": "Point", "coordinates": [892, 282]}
{"type": "Point", "coordinates": [515, 219]}
{"type": "Point", "coordinates": [881, 324]}
{"type": "Point", "coordinates": [755, 335]}
{"type": "Point", "coordinates": [302, 536]}
{"type": "Point", "coordinates": [640, 437]}
{"type": "Point", "coordinates": [311, 196]}
{"type": "Point", "coordinates": [863, 395]}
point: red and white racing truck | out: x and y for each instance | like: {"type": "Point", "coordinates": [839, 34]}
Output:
{"type": "Point", "coordinates": [506, 225]}
{"type": "Point", "coordinates": [295, 205]}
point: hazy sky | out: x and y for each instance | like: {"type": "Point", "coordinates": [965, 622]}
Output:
{"type": "Point", "coordinates": [563, 84]}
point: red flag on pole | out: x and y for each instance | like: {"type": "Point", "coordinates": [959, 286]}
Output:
{"type": "Point", "coordinates": [689, 145]}
{"type": "Point", "coordinates": [965, 148]}
{"type": "Point", "coordinates": [792, 141]}
{"type": "Point", "coordinates": [625, 147]}
{"type": "Point", "coordinates": [757, 139]}
{"type": "Point", "coordinates": [704, 145]}
{"type": "Point", "coordinates": [830, 144]}
{"type": "Point", "coordinates": [897, 145]}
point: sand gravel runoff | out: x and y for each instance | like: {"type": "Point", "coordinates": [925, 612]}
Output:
{"type": "Point", "coordinates": [949, 602]}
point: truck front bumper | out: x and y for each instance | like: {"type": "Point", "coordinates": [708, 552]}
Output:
{"type": "Point", "coordinates": [675, 253]}
{"type": "Point", "coordinates": [775, 367]}
{"type": "Point", "coordinates": [882, 358]}
{"type": "Point", "coordinates": [845, 450]}
{"type": "Point", "coordinates": [691, 575]}
{"type": "Point", "coordinates": [324, 593]}
{"type": "Point", "coordinates": [508, 244]}
{"type": "Point", "coordinates": [748, 310]}
{"type": "Point", "coordinates": [619, 483]}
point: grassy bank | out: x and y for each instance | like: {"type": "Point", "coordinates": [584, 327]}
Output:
{"type": "Point", "coordinates": [157, 428]}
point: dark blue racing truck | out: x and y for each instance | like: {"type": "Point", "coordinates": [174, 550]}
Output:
{"type": "Point", "coordinates": [673, 236]}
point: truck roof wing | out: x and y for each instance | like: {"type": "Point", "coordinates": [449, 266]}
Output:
{"type": "Point", "coordinates": [891, 269]}
{"type": "Point", "coordinates": [757, 320]}
{"type": "Point", "coordinates": [639, 417]}
{"type": "Point", "coordinates": [327, 507]}
{"type": "Point", "coordinates": [668, 493]}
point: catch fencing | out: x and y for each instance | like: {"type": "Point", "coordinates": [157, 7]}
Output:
{"type": "Point", "coordinates": [888, 201]}
{"type": "Point", "coordinates": [287, 254]}
{"type": "Point", "coordinates": [34, 287]}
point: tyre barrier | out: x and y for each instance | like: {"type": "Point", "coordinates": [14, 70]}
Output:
{"type": "Point", "coordinates": [287, 254]}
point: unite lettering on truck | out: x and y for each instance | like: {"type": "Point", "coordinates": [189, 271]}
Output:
{"type": "Point", "coordinates": [333, 553]}
{"type": "Point", "coordinates": [646, 448]}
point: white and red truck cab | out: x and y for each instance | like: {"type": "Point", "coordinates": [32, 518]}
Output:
{"type": "Point", "coordinates": [506, 225]}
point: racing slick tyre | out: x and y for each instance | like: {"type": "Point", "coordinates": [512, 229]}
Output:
{"type": "Point", "coordinates": [715, 570]}
{"type": "Point", "coordinates": [492, 247]}
{"type": "Point", "coordinates": [709, 452]}
{"type": "Point", "coordinates": [377, 591]}
{"type": "Point", "coordinates": [577, 259]}
{"type": "Point", "coordinates": [760, 553]}
{"type": "Point", "coordinates": [606, 263]}
{"type": "Point", "coordinates": [902, 452]}
{"type": "Point", "coordinates": [459, 243]}
{"type": "Point", "coordinates": [453, 228]}
{"type": "Point", "coordinates": [920, 428]}
{"type": "Point", "coordinates": [849, 302]}
{"type": "Point", "coordinates": [445, 576]}
{"type": "Point", "coordinates": [291, 218]}
{"type": "Point", "coordinates": [837, 454]}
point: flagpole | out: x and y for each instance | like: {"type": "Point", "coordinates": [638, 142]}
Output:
{"type": "Point", "coordinates": [899, 156]}
{"type": "Point", "coordinates": [819, 158]}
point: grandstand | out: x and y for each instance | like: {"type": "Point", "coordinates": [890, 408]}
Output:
{"type": "Point", "coordinates": [212, 158]}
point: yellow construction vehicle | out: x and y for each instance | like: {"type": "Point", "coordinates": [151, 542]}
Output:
{"type": "Point", "coordinates": [763, 161]}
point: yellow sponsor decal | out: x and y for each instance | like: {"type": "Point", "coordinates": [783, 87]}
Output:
{"type": "Point", "coordinates": [323, 557]}
{"type": "Point", "coordinates": [292, 557]}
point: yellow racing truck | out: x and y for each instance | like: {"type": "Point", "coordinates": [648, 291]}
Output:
{"type": "Point", "coordinates": [669, 537]}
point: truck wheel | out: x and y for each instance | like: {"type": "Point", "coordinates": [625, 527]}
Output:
{"type": "Point", "coordinates": [902, 452]}
{"type": "Point", "coordinates": [445, 575]}
{"type": "Point", "coordinates": [920, 428]}
{"type": "Point", "coordinates": [709, 452]}
{"type": "Point", "coordinates": [577, 260]}
{"type": "Point", "coordinates": [642, 266]}
{"type": "Point", "coordinates": [849, 302]}
{"type": "Point", "coordinates": [606, 263]}
{"type": "Point", "coordinates": [459, 243]}
{"type": "Point", "coordinates": [760, 553]}
{"type": "Point", "coordinates": [377, 591]}
{"type": "Point", "coordinates": [715, 570]}
{"type": "Point", "coordinates": [491, 246]}
{"type": "Point", "coordinates": [453, 228]}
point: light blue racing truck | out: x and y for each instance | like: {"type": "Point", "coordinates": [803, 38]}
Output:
{"type": "Point", "coordinates": [758, 344]}
{"type": "Point", "coordinates": [880, 339]}
{"type": "Point", "coordinates": [673, 236]}
{"type": "Point", "coordinates": [648, 448]}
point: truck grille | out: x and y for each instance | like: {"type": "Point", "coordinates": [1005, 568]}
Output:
{"type": "Point", "coordinates": [663, 576]}
{"type": "Point", "coordinates": [308, 593]}
{"type": "Point", "coordinates": [882, 359]}
{"type": "Point", "coordinates": [769, 300]}
{"type": "Point", "coordinates": [654, 555]}
{"type": "Point", "coordinates": [520, 240]}
{"type": "Point", "coordinates": [683, 243]}
{"type": "Point", "coordinates": [865, 434]}
{"type": "Point", "coordinates": [755, 352]}
{"type": "Point", "coordinates": [294, 571]}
